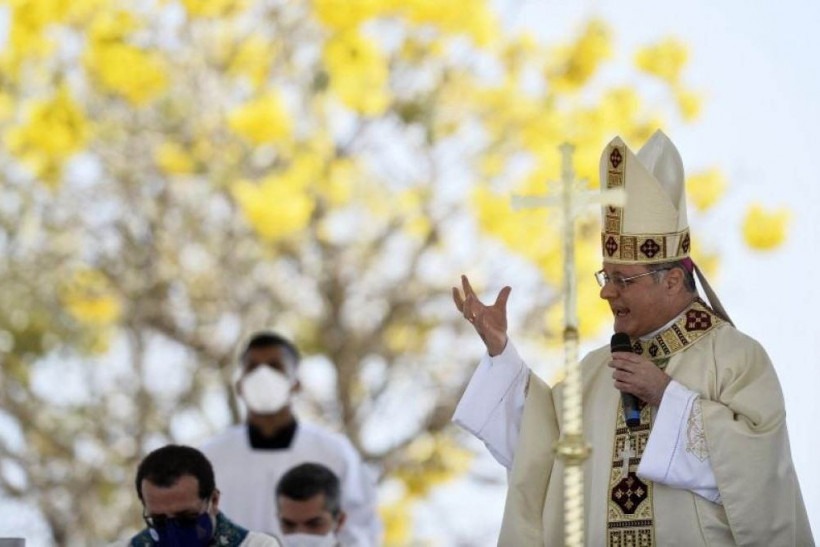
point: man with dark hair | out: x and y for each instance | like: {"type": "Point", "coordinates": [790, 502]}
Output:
{"type": "Point", "coordinates": [181, 503]}
{"type": "Point", "coordinates": [251, 458]}
{"type": "Point", "coordinates": [308, 499]}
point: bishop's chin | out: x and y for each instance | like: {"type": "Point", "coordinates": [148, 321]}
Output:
{"type": "Point", "coordinates": [621, 320]}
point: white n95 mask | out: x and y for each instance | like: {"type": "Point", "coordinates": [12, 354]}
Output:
{"type": "Point", "coordinates": [265, 390]}
{"type": "Point", "coordinates": [309, 540]}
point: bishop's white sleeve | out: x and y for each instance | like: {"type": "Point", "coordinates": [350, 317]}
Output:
{"type": "Point", "coordinates": [676, 453]}
{"type": "Point", "coordinates": [493, 403]}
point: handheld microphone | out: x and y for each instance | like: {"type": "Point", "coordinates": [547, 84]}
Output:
{"type": "Point", "coordinates": [632, 411]}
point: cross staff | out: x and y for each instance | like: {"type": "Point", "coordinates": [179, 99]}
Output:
{"type": "Point", "coordinates": [571, 447]}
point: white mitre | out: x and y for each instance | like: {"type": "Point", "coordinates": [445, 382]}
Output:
{"type": "Point", "coordinates": [651, 227]}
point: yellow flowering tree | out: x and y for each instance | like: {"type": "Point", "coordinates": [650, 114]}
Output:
{"type": "Point", "coordinates": [179, 173]}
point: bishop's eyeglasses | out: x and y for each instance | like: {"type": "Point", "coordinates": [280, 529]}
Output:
{"type": "Point", "coordinates": [620, 281]}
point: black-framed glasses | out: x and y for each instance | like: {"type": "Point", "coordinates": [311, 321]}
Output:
{"type": "Point", "coordinates": [186, 520]}
{"type": "Point", "coordinates": [620, 281]}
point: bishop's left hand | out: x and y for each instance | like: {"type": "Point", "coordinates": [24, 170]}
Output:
{"type": "Point", "coordinates": [639, 376]}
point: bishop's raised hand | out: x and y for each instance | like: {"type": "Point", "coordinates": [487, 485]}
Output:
{"type": "Point", "coordinates": [490, 322]}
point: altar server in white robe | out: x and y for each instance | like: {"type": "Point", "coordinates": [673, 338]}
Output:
{"type": "Point", "coordinates": [250, 458]}
{"type": "Point", "coordinates": [709, 463]}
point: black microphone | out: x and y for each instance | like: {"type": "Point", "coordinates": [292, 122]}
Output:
{"type": "Point", "coordinates": [632, 412]}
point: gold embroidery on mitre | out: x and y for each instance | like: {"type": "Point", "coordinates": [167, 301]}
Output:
{"type": "Point", "coordinates": [616, 166]}
{"type": "Point", "coordinates": [635, 248]}
{"type": "Point", "coordinates": [642, 248]}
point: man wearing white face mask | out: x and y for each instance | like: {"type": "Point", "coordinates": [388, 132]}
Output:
{"type": "Point", "coordinates": [250, 459]}
{"type": "Point", "coordinates": [308, 498]}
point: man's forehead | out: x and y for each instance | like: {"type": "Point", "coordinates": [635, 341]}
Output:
{"type": "Point", "coordinates": [314, 504]}
{"type": "Point", "coordinates": [626, 269]}
{"type": "Point", "coordinates": [182, 491]}
{"type": "Point", "coordinates": [268, 354]}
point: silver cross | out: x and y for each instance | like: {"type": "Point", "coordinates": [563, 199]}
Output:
{"type": "Point", "coordinates": [626, 454]}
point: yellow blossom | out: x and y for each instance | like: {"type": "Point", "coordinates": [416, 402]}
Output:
{"type": "Point", "coordinates": [494, 214]}
{"type": "Point", "coordinates": [519, 51]}
{"type": "Point", "coordinates": [419, 226]}
{"type": "Point", "coordinates": [665, 59]}
{"type": "Point", "coordinates": [277, 207]}
{"type": "Point", "coordinates": [574, 65]}
{"type": "Point", "coordinates": [492, 164]}
{"type": "Point", "coordinates": [80, 12]}
{"type": "Point", "coordinates": [593, 316]}
{"type": "Point", "coordinates": [524, 231]}
{"type": "Point", "coordinates": [348, 14]}
{"type": "Point", "coordinates": [173, 159]}
{"type": "Point", "coordinates": [202, 148]}
{"type": "Point", "coordinates": [431, 461]}
{"type": "Point", "coordinates": [253, 59]}
{"type": "Point", "coordinates": [765, 229]}
{"type": "Point", "coordinates": [261, 120]}
{"type": "Point", "coordinates": [53, 130]}
{"type": "Point", "coordinates": [28, 21]}
{"type": "Point", "coordinates": [510, 112]}
{"type": "Point", "coordinates": [536, 235]}
{"type": "Point", "coordinates": [109, 25]}
{"type": "Point", "coordinates": [455, 96]}
{"type": "Point", "coordinates": [212, 8]}
{"type": "Point", "coordinates": [619, 104]}
{"type": "Point", "coordinates": [539, 129]}
{"type": "Point", "coordinates": [337, 186]}
{"type": "Point", "coordinates": [89, 297]}
{"type": "Point", "coordinates": [403, 337]}
{"type": "Point", "coordinates": [305, 168]}
{"type": "Point", "coordinates": [689, 104]}
{"type": "Point", "coordinates": [473, 18]}
{"type": "Point", "coordinates": [705, 189]}
{"type": "Point", "coordinates": [137, 75]}
{"type": "Point", "coordinates": [358, 72]}
{"type": "Point", "coordinates": [585, 162]}
{"type": "Point", "coordinates": [396, 517]}
{"type": "Point", "coordinates": [593, 312]}
{"type": "Point", "coordinates": [417, 50]}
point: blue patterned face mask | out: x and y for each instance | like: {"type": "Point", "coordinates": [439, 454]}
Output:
{"type": "Point", "coordinates": [184, 532]}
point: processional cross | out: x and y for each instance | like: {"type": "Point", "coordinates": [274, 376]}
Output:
{"type": "Point", "coordinates": [571, 447]}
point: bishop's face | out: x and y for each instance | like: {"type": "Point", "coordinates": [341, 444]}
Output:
{"type": "Point", "coordinates": [639, 306]}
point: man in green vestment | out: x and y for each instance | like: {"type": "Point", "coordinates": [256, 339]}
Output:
{"type": "Point", "coordinates": [708, 462]}
{"type": "Point", "coordinates": [180, 500]}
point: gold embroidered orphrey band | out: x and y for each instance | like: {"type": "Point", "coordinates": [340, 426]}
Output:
{"type": "Point", "coordinates": [696, 321]}
{"type": "Point", "coordinates": [635, 248]}
{"type": "Point", "coordinates": [630, 512]}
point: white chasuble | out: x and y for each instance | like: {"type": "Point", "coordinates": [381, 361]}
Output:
{"type": "Point", "coordinates": [738, 421]}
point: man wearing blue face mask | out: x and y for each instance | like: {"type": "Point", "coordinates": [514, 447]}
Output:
{"type": "Point", "coordinates": [251, 458]}
{"type": "Point", "coordinates": [181, 504]}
